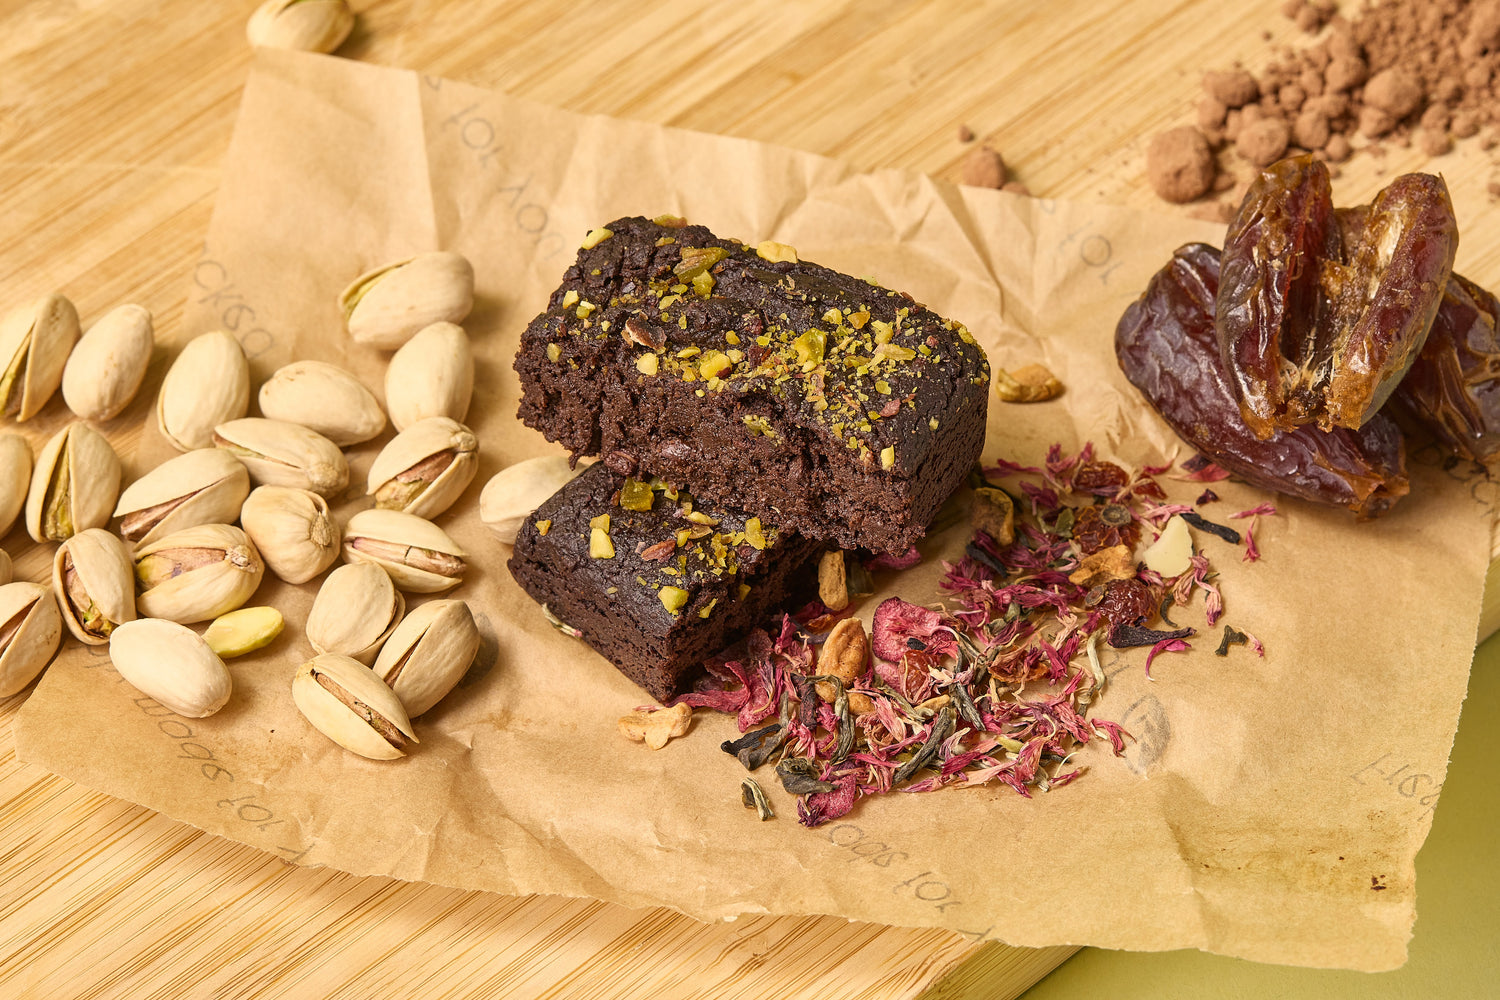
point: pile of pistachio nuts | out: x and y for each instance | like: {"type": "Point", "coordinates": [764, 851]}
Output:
{"type": "Point", "coordinates": [192, 539]}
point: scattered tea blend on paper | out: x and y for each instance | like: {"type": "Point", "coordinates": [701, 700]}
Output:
{"type": "Point", "coordinates": [996, 682]}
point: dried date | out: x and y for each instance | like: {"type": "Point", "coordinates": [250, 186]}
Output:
{"type": "Point", "coordinates": [1166, 346]}
{"type": "Point", "coordinates": [1321, 313]}
{"type": "Point", "coordinates": [1453, 388]}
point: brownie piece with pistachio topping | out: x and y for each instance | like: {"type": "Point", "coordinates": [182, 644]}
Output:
{"type": "Point", "coordinates": [845, 411]}
{"type": "Point", "coordinates": [653, 580]}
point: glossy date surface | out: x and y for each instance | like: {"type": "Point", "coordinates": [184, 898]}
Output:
{"type": "Point", "coordinates": [1320, 312]}
{"type": "Point", "coordinates": [1453, 387]}
{"type": "Point", "coordinates": [1166, 345]}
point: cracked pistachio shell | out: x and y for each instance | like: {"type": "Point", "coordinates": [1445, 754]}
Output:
{"type": "Point", "coordinates": [106, 368]}
{"type": "Point", "coordinates": [278, 453]}
{"type": "Point", "coordinates": [15, 478]}
{"type": "Point", "coordinates": [386, 307]}
{"type": "Point", "coordinates": [208, 384]}
{"type": "Point", "coordinates": [432, 375]}
{"type": "Point", "coordinates": [196, 574]}
{"type": "Point", "coordinates": [74, 485]}
{"type": "Point", "coordinates": [346, 702]}
{"type": "Point", "coordinates": [34, 345]}
{"type": "Point", "coordinates": [293, 530]}
{"type": "Point", "coordinates": [94, 583]}
{"type": "Point", "coordinates": [324, 398]}
{"type": "Point", "coordinates": [516, 490]}
{"type": "Point", "coordinates": [171, 663]}
{"type": "Point", "coordinates": [428, 654]}
{"type": "Point", "coordinates": [425, 468]}
{"type": "Point", "coordinates": [418, 555]}
{"type": "Point", "coordinates": [303, 25]}
{"type": "Point", "coordinates": [202, 486]}
{"type": "Point", "coordinates": [355, 611]}
{"type": "Point", "coordinates": [6, 571]}
{"type": "Point", "coordinates": [30, 630]}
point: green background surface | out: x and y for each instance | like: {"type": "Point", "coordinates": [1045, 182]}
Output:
{"type": "Point", "coordinates": [1455, 952]}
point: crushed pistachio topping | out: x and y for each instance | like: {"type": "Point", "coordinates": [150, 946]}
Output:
{"type": "Point", "coordinates": [600, 546]}
{"type": "Point", "coordinates": [570, 299]}
{"type": "Point", "coordinates": [673, 598]}
{"type": "Point", "coordinates": [775, 252]}
{"type": "Point", "coordinates": [636, 495]}
{"type": "Point", "coordinates": [554, 352]}
{"type": "Point", "coordinates": [543, 526]}
{"type": "Point", "coordinates": [596, 236]}
{"type": "Point", "coordinates": [647, 364]}
{"type": "Point", "coordinates": [753, 533]}
{"type": "Point", "coordinates": [888, 457]}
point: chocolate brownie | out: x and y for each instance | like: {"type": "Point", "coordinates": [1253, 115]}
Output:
{"type": "Point", "coordinates": [844, 411]}
{"type": "Point", "coordinates": [654, 581]}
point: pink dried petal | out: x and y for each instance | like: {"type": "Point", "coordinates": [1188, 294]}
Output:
{"type": "Point", "coordinates": [1264, 508]}
{"type": "Point", "coordinates": [1165, 646]}
{"type": "Point", "coordinates": [820, 807]}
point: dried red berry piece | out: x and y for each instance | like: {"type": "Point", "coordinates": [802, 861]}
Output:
{"type": "Point", "coordinates": [1454, 385]}
{"type": "Point", "coordinates": [1166, 346]}
{"type": "Point", "coordinates": [1100, 478]}
{"type": "Point", "coordinates": [1104, 526]}
{"type": "Point", "coordinates": [899, 627]}
{"type": "Point", "coordinates": [1320, 314]}
{"type": "Point", "coordinates": [1123, 602]}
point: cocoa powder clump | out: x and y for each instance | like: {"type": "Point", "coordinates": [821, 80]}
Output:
{"type": "Point", "coordinates": [1180, 164]}
{"type": "Point", "coordinates": [1392, 72]}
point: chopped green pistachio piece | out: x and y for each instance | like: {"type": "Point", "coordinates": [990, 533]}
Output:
{"type": "Point", "coordinates": [775, 252]}
{"type": "Point", "coordinates": [636, 495]}
{"type": "Point", "coordinates": [732, 337]}
{"type": "Point", "coordinates": [744, 591]}
{"type": "Point", "coordinates": [600, 546]}
{"type": "Point", "coordinates": [708, 608]}
{"type": "Point", "coordinates": [713, 363]}
{"type": "Point", "coordinates": [570, 299]}
{"type": "Point", "coordinates": [753, 533]}
{"type": "Point", "coordinates": [596, 236]}
{"type": "Point", "coordinates": [696, 260]}
{"type": "Point", "coordinates": [673, 598]}
{"type": "Point", "coordinates": [601, 522]}
{"type": "Point", "coordinates": [703, 284]}
{"type": "Point", "coordinates": [543, 526]}
{"type": "Point", "coordinates": [888, 457]}
{"type": "Point", "coordinates": [647, 364]}
{"type": "Point", "coordinates": [809, 347]}
{"type": "Point", "coordinates": [554, 352]}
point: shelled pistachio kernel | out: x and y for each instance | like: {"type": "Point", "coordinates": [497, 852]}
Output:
{"type": "Point", "coordinates": [243, 631]}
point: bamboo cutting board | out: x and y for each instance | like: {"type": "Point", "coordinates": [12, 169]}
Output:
{"type": "Point", "coordinates": [114, 118]}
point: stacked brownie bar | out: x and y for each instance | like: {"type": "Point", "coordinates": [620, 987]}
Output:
{"type": "Point", "coordinates": [780, 393]}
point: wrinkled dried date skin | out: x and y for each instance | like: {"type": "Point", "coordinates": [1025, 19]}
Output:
{"type": "Point", "coordinates": [1166, 346]}
{"type": "Point", "coordinates": [1454, 386]}
{"type": "Point", "coordinates": [1321, 313]}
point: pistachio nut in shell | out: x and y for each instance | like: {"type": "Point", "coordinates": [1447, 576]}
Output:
{"type": "Point", "coordinates": [6, 570]}
{"type": "Point", "coordinates": [303, 25]}
{"type": "Point", "coordinates": [202, 486]}
{"type": "Point", "coordinates": [386, 307]}
{"type": "Point", "coordinates": [355, 612]}
{"type": "Point", "coordinates": [74, 485]}
{"type": "Point", "coordinates": [419, 556]}
{"type": "Point", "coordinates": [94, 583]}
{"type": "Point", "coordinates": [428, 654]}
{"type": "Point", "coordinates": [432, 375]}
{"type": "Point", "coordinates": [15, 478]}
{"type": "Point", "coordinates": [278, 453]}
{"type": "Point", "coordinates": [106, 367]}
{"type": "Point", "coordinates": [208, 384]}
{"type": "Point", "coordinates": [172, 664]}
{"type": "Point", "coordinates": [425, 468]}
{"type": "Point", "coordinates": [196, 574]}
{"type": "Point", "coordinates": [34, 344]}
{"type": "Point", "coordinates": [30, 630]}
{"type": "Point", "coordinates": [324, 398]}
{"type": "Point", "coordinates": [293, 530]}
{"type": "Point", "coordinates": [516, 490]}
{"type": "Point", "coordinates": [346, 702]}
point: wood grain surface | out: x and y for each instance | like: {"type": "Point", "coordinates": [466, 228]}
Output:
{"type": "Point", "coordinates": [114, 119]}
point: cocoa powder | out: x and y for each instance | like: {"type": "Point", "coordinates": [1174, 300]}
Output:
{"type": "Point", "coordinates": [1396, 72]}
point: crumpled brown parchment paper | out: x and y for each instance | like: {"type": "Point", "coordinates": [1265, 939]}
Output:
{"type": "Point", "coordinates": [1268, 808]}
